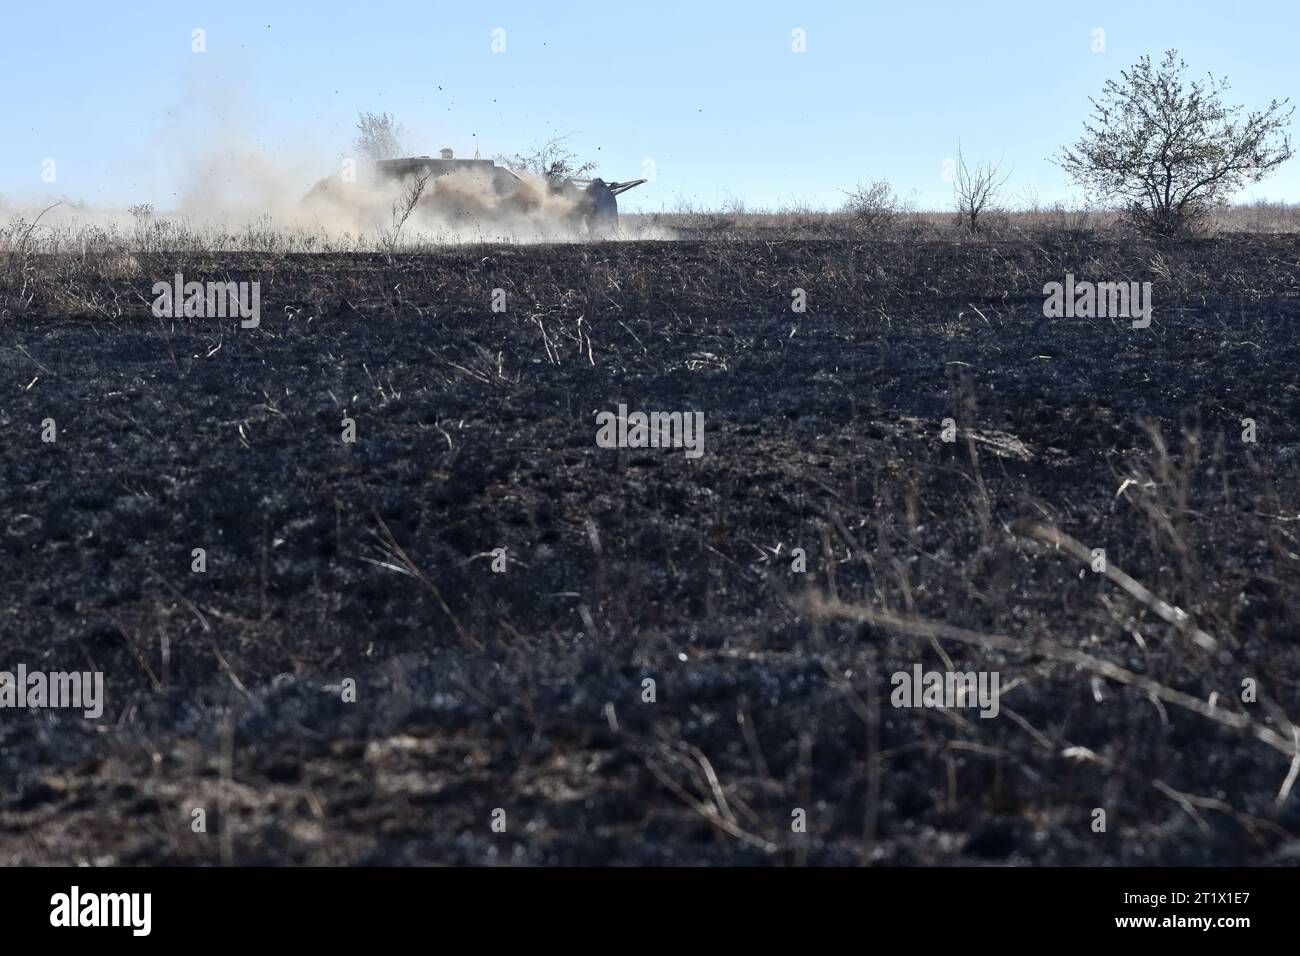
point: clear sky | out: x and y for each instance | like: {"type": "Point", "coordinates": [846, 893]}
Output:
{"type": "Point", "coordinates": [710, 93]}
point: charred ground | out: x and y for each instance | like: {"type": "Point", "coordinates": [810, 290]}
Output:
{"type": "Point", "coordinates": [523, 690]}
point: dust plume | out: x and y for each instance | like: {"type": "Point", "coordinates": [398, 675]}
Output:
{"type": "Point", "coordinates": [463, 205]}
{"type": "Point", "coordinates": [227, 198]}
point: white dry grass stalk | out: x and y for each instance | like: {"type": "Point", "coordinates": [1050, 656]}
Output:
{"type": "Point", "coordinates": [414, 571]}
{"type": "Point", "coordinates": [717, 812]}
{"type": "Point", "coordinates": [1055, 538]}
{"type": "Point", "coordinates": [822, 608]}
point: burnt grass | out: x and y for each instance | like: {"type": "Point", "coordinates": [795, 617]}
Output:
{"type": "Point", "coordinates": [523, 689]}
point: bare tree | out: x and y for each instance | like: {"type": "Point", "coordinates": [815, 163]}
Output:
{"type": "Point", "coordinates": [975, 190]}
{"type": "Point", "coordinates": [379, 136]}
{"type": "Point", "coordinates": [552, 160]}
{"type": "Point", "coordinates": [1170, 150]}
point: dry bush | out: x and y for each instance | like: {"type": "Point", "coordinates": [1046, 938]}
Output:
{"type": "Point", "coordinates": [552, 160]}
{"type": "Point", "coordinates": [875, 207]}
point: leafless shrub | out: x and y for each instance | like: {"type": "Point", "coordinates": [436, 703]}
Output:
{"type": "Point", "coordinates": [18, 287]}
{"type": "Point", "coordinates": [874, 207]}
{"type": "Point", "coordinates": [403, 206]}
{"type": "Point", "coordinates": [552, 160]}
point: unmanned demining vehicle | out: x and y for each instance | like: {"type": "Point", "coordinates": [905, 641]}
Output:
{"type": "Point", "coordinates": [593, 203]}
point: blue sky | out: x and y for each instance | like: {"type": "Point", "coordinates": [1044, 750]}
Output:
{"type": "Point", "coordinates": [711, 93]}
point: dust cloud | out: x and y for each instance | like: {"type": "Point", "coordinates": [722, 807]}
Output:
{"type": "Point", "coordinates": [463, 205]}
{"type": "Point", "coordinates": [226, 197]}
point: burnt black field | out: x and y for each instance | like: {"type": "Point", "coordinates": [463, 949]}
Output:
{"type": "Point", "coordinates": [523, 689]}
